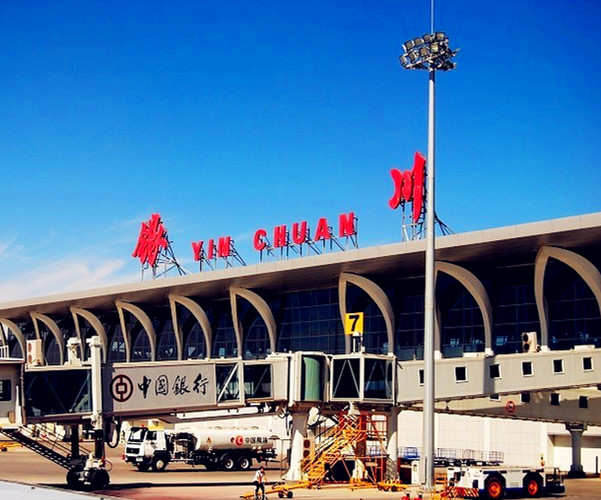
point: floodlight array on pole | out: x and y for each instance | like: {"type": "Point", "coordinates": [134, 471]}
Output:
{"type": "Point", "coordinates": [429, 52]}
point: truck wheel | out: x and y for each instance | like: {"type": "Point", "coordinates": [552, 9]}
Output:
{"type": "Point", "coordinates": [228, 463]}
{"type": "Point", "coordinates": [159, 464]}
{"type": "Point", "coordinates": [143, 466]}
{"type": "Point", "coordinates": [244, 462]}
{"type": "Point", "coordinates": [494, 488]}
{"type": "Point", "coordinates": [533, 486]}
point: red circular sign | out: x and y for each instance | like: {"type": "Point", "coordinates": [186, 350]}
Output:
{"type": "Point", "coordinates": [239, 441]}
{"type": "Point", "coordinates": [122, 388]}
{"type": "Point", "coordinates": [510, 407]}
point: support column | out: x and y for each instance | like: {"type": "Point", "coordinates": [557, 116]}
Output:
{"type": "Point", "coordinates": [576, 431]}
{"type": "Point", "coordinates": [360, 471]}
{"type": "Point", "coordinates": [392, 444]}
{"type": "Point", "coordinates": [74, 438]}
{"type": "Point", "coordinates": [97, 418]}
{"type": "Point", "coordinates": [298, 433]}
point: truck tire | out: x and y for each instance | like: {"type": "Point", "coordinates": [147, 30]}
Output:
{"type": "Point", "coordinates": [494, 487]}
{"type": "Point", "coordinates": [227, 462]}
{"type": "Point", "coordinates": [533, 486]}
{"type": "Point", "coordinates": [244, 462]}
{"type": "Point", "coordinates": [159, 463]}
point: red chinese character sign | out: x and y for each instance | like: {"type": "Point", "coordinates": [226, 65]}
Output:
{"type": "Point", "coordinates": [154, 248]}
{"type": "Point", "coordinates": [151, 240]}
{"type": "Point", "coordinates": [409, 186]}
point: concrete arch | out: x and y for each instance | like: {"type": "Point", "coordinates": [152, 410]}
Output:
{"type": "Point", "coordinates": [582, 266]}
{"type": "Point", "coordinates": [262, 308]}
{"type": "Point", "coordinates": [200, 315]}
{"type": "Point", "coordinates": [377, 295]}
{"type": "Point", "coordinates": [96, 325]}
{"type": "Point", "coordinates": [143, 318]}
{"type": "Point", "coordinates": [16, 331]}
{"type": "Point", "coordinates": [54, 329]}
{"type": "Point", "coordinates": [475, 287]}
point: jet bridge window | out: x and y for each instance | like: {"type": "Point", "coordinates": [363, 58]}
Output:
{"type": "Point", "coordinates": [461, 374]}
{"type": "Point", "coordinates": [5, 390]}
{"type": "Point", "coordinates": [495, 371]}
{"type": "Point", "coordinates": [57, 392]}
{"type": "Point", "coordinates": [587, 364]}
{"type": "Point", "coordinates": [558, 366]}
{"type": "Point", "coordinates": [257, 381]}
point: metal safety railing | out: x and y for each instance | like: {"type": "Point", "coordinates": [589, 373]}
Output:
{"type": "Point", "coordinates": [454, 455]}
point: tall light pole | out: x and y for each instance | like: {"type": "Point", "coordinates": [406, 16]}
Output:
{"type": "Point", "coordinates": [430, 52]}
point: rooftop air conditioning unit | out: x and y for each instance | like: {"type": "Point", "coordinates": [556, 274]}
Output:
{"type": "Point", "coordinates": [34, 352]}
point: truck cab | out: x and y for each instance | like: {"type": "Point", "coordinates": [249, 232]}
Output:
{"type": "Point", "coordinates": [146, 448]}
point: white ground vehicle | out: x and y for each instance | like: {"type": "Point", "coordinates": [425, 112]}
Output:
{"type": "Point", "coordinates": [497, 481]}
{"type": "Point", "coordinates": [215, 448]}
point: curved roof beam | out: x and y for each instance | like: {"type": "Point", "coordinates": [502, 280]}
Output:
{"type": "Point", "coordinates": [56, 331]}
{"type": "Point", "coordinates": [96, 325]}
{"type": "Point", "coordinates": [377, 295]}
{"type": "Point", "coordinates": [144, 320]}
{"type": "Point", "coordinates": [200, 315]}
{"type": "Point", "coordinates": [475, 287]}
{"type": "Point", "coordinates": [262, 308]}
{"type": "Point", "coordinates": [583, 267]}
{"type": "Point", "coordinates": [16, 331]}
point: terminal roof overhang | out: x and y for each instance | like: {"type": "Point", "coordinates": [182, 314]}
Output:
{"type": "Point", "coordinates": [498, 246]}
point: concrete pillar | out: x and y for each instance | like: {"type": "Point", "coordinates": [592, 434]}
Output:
{"type": "Point", "coordinates": [298, 433]}
{"type": "Point", "coordinates": [576, 431]}
{"type": "Point", "coordinates": [392, 443]}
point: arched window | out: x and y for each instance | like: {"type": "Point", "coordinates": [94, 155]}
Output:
{"type": "Point", "coordinates": [195, 345]}
{"type": "Point", "coordinates": [309, 321]}
{"type": "Point", "coordinates": [163, 328]}
{"type": "Point", "coordinates": [116, 341]}
{"type": "Point", "coordinates": [462, 327]}
{"type": "Point", "coordinates": [141, 350]}
{"type": "Point", "coordinates": [224, 336]}
{"type": "Point", "coordinates": [574, 317]}
{"type": "Point", "coordinates": [407, 297]}
{"type": "Point", "coordinates": [514, 307]}
{"type": "Point", "coordinates": [375, 336]}
{"type": "Point", "coordinates": [256, 338]}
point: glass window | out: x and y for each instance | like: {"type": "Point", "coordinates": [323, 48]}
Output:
{"type": "Point", "coordinates": [558, 366]}
{"type": "Point", "coordinates": [5, 390]}
{"type": "Point", "coordinates": [574, 317]}
{"type": "Point", "coordinates": [309, 321]}
{"type": "Point", "coordinates": [511, 291]}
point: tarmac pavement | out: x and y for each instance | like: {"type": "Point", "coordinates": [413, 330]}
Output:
{"type": "Point", "coordinates": [182, 482]}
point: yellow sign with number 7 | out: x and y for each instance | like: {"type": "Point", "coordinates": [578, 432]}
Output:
{"type": "Point", "coordinates": [353, 324]}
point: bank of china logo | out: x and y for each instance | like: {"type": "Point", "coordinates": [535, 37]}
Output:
{"type": "Point", "coordinates": [151, 240]}
{"type": "Point", "coordinates": [409, 186]}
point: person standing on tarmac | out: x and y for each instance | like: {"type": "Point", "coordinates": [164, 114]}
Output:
{"type": "Point", "coordinates": [260, 480]}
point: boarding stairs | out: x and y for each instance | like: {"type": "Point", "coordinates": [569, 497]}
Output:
{"type": "Point", "coordinates": [44, 441]}
{"type": "Point", "coordinates": [348, 438]}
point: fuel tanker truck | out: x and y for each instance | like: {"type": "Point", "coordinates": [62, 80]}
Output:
{"type": "Point", "coordinates": [222, 448]}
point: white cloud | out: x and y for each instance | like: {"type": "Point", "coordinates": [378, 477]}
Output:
{"type": "Point", "coordinates": [66, 275]}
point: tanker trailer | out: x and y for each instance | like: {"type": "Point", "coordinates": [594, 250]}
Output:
{"type": "Point", "coordinates": [225, 448]}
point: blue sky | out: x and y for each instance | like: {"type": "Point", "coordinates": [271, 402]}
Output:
{"type": "Point", "coordinates": [225, 117]}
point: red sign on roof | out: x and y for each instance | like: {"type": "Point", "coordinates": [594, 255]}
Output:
{"type": "Point", "coordinates": [153, 238]}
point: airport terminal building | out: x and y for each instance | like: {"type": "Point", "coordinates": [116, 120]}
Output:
{"type": "Point", "coordinates": [492, 286]}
